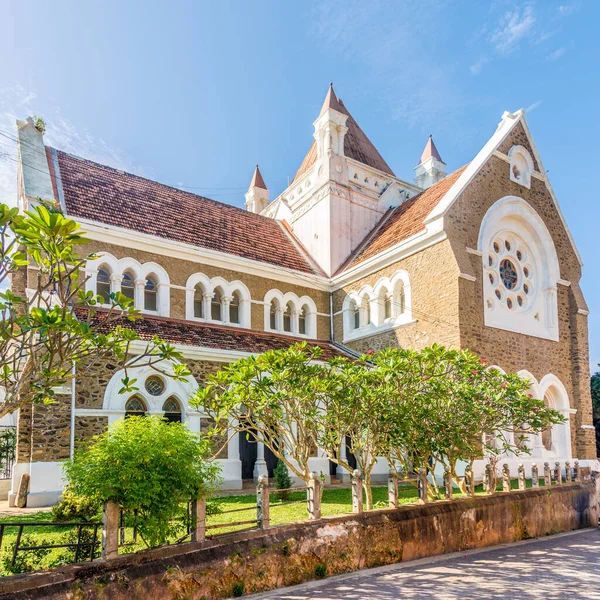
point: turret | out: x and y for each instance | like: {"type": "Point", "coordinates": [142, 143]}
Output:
{"type": "Point", "coordinates": [257, 196]}
{"type": "Point", "coordinates": [430, 169]}
{"type": "Point", "coordinates": [330, 130]}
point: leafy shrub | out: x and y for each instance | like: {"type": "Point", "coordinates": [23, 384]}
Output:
{"type": "Point", "coordinates": [148, 466]}
{"type": "Point", "coordinates": [282, 479]}
{"type": "Point", "coordinates": [76, 508]}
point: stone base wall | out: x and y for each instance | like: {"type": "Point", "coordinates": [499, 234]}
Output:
{"type": "Point", "coordinates": [291, 554]}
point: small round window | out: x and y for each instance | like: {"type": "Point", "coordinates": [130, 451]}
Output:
{"type": "Point", "coordinates": [508, 274]}
{"type": "Point", "coordinates": [155, 385]}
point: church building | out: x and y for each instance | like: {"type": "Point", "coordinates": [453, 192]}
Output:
{"type": "Point", "coordinates": [348, 257]}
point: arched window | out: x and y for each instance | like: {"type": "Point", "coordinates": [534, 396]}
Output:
{"type": "Point", "coordinates": [172, 410]}
{"type": "Point", "coordinates": [355, 314]}
{"type": "Point", "coordinates": [302, 316]}
{"type": "Point", "coordinates": [150, 294]}
{"type": "Point", "coordinates": [273, 314]}
{"type": "Point", "coordinates": [287, 317]}
{"type": "Point", "coordinates": [400, 298]}
{"type": "Point", "coordinates": [366, 309]}
{"type": "Point", "coordinates": [216, 312]}
{"type": "Point", "coordinates": [128, 285]}
{"type": "Point", "coordinates": [234, 308]}
{"type": "Point", "coordinates": [103, 284]}
{"type": "Point", "coordinates": [135, 407]}
{"type": "Point", "coordinates": [199, 302]}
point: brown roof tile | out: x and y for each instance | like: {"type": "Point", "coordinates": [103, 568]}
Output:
{"type": "Point", "coordinates": [106, 195]}
{"type": "Point", "coordinates": [404, 221]}
{"type": "Point", "coordinates": [222, 337]}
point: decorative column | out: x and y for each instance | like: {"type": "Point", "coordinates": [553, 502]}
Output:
{"type": "Point", "coordinates": [225, 302]}
{"type": "Point", "coordinates": [568, 472]}
{"type": "Point", "coordinates": [138, 293]}
{"type": "Point", "coordinates": [393, 489]}
{"type": "Point", "coordinates": [206, 298]}
{"type": "Point", "coordinates": [115, 283]}
{"type": "Point", "coordinates": [260, 466]}
{"type": "Point", "coordinates": [279, 318]}
{"type": "Point", "coordinates": [294, 321]}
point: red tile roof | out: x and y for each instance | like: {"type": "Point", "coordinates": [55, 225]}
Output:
{"type": "Point", "coordinates": [404, 221]}
{"type": "Point", "coordinates": [222, 337]}
{"type": "Point", "coordinates": [356, 144]}
{"type": "Point", "coordinates": [105, 195]}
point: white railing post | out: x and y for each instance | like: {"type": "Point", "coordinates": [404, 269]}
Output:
{"type": "Point", "coordinates": [568, 472]}
{"type": "Point", "coordinates": [505, 478]}
{"type": "Point", "coordinates": [314, 497]}
{"type": "Point", "coordinates": [110, 530]}
{"type": "Point", "coordinates": [576, 471]}
{"type": "Point", "coordinates": [557, 473]}
{"type": "Point", "coordinates": [535, 476]}
{"type": "Point", "coordinates": [393, 489]}
{"type": "Point", "coordinates": [447, 484]}
{"type": "Point", "coordinates": [470, 482]}
{"type": "Point", "coordinates": [262, 503]}
{"type": "Point", "coordinates": [199, 519]}
{"type": "Point", "coordinates": [547, 475]}
{"type": "Point", "coordinates": [522, 478]}
{"type": "Point", "coordinates": [357, 492]}
{"type": "Point", "coordinates": [422, 484]}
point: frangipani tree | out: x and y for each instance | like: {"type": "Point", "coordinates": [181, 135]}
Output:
{"type": "Point", "coordinates": [452, 408]}
{"type": "Point", "coordinates": [275, 398]}
{"type": "Point", "coordinates": [50, 327]}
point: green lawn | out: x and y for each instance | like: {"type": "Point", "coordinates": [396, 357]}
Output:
{"type": "Point", "coordinates": [335, 502]}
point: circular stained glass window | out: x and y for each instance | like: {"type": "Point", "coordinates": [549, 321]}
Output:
{"type": "Point", "coordinates": [526, 288]}
{"type": "Point", "coordinates": [509, 303]}
{"type": "Point", "coordinates": [155, 386]}
{"type": "Point", "coordinates": [508, 274]}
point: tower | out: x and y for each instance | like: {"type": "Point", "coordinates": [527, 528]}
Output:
{"type": "Point", "coordinates": [430, 169]}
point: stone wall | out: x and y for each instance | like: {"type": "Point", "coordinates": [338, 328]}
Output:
{"type": "Point", "coordinates": [290, 554]}
{"type": "Point", "coordinates": [434, 290]}
{"type": "Point", "coordinates": [568, 358]}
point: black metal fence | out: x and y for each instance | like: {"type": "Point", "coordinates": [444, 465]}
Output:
{"type": "Point", "coordinates": [85, 541]}
{"type": "Point", "coordinates": [8, 449]}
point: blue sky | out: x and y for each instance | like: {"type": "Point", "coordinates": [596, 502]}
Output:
{"type": "Point", "coordinates": [195, 93]}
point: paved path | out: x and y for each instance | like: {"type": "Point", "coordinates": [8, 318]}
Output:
{"type": "Point", "coordinates": [562, 566]}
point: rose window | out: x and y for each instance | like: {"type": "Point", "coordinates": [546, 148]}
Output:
{"type": "Point", "coordinates": [509, 273]}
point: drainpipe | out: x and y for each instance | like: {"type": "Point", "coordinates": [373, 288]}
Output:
{"type": "Point", "coordinates": [331, 315]}
{"type": "Point", "coordinates": [72, 440]}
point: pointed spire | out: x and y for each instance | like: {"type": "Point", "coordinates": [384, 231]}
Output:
{"type": "Point", "coordinates": [257, 180]}
{"type": "Point", "coordinates": [430, 169]}
{"type": "Point", "coordinates": [430, 151]}
{"type": "Point", "coordinates": [332, 102]}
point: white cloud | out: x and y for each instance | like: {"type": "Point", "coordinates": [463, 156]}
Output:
{"type": "Point", "coordinates": [567, 9]}
{"type": "Point", "coordinates": [514, 27]}
{"type": "Point", "coordinates": [556, 54]}
{"type": "Point", "coordinates": [18, 103]}
{"type": "Point", "coordinates": [478, 66]}
{"type": "Point", "coordinates": [533, 106]}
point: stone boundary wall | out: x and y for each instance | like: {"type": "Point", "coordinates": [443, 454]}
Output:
{"type": "Point", "coordinates": [290, 554]}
